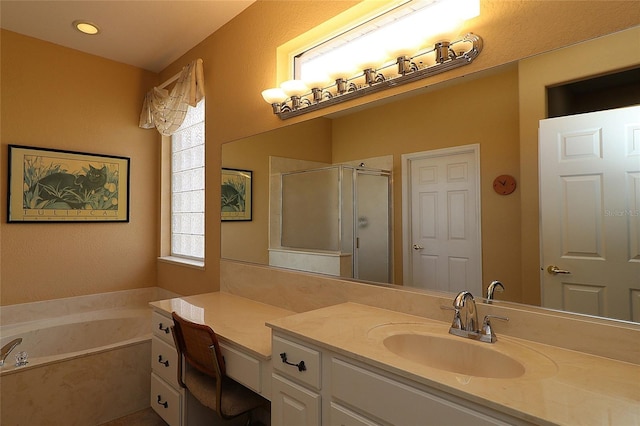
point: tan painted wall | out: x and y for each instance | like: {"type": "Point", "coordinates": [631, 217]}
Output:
{"type": "Point", "coordinates": [53, 97]}
{"type": "Point", "coordinates": [235, 107]}
{"type": "Point", "coordinates": [239, 62]}
{"type": "Point", "coordinates": [98, 108]}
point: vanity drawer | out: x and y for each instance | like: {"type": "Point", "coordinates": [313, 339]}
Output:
{"type": "Point", "coordinates": [164, 361]}
{"type": "Point", "coordinates": [160, 326]}
{"type": "Point", "coordinates": [166, 401]}
{"type": "Point", "coordinates": [242, 368]}
{"type": "Point", "coordinates": [296, 353]}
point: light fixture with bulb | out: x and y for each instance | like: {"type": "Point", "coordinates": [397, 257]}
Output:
{"type": "Point", "coordinates": [295, 97]}
{"type": "Point", "coordinates": [389, 56]}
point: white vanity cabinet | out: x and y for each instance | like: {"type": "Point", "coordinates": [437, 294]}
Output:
{"type": "Point", "coordinates": [295, 389]}
{"type": "Point", "coordinates": [168, 398]}
{"type": "Point", "coordinates": [166, 394]}
{"type": "Point", "coordinates": [245, 343]}
{"type": "Point", "coordinates": [338, 390]}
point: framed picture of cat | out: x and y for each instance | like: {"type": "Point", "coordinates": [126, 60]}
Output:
{"type": "Point", "coordinates": [236, 194]}
{"type": "Point", "coordinates": [53, 186]}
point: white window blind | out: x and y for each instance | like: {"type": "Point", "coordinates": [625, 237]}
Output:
{"type": "Point", "coordinates": [187, 186]}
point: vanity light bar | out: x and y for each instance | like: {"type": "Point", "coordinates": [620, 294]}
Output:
{"type": "Point", "coordinates": [406, 70]}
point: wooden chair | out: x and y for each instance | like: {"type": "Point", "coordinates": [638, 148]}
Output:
{"type": "Point", "coordinates": [204, 373]}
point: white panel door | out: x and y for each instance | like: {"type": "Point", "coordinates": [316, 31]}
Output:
{"type": "Point", "coordinates": [443, 220]}
{"type": "Point", "coordinates": [590, 212]}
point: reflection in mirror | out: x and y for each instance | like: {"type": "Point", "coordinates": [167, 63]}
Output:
{"type": "Point", "coordinates": [334, 220]}
{"type": "Point", "coordinates": [388, 132]}
{"type": "Point", "coordinates": [482, 108]}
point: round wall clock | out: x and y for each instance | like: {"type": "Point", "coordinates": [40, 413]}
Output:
{"type": "Point", "coordinates": [504, 184]}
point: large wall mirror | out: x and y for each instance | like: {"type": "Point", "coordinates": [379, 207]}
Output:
{"type": "Point", "coordinates": [483, 114]}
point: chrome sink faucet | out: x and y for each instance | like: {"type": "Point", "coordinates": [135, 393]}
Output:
{"type": "Point", "coordinates": [6, 349]}
{"type": "Point", "coordinates": [466, 306]}
{"type": "Point", "coordinates": [494, 286]}
{"type": "Point", "coordinates": [465, 320]}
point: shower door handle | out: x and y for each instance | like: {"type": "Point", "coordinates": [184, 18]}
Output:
{"type": "Point", "coordinates": [417, 247]}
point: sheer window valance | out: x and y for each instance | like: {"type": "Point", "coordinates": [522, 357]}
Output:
{"type": "Point", "coordinates": [166, 110]}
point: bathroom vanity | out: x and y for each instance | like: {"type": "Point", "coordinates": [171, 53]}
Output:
{"type": "Point", "coordinates": [354, 364]}
{"type": "Point", "coordinates": [364, 367]}
{"type": "Point", "coordinates": [244, 339]}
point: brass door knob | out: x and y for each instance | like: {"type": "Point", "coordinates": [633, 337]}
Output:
{"type": "Point", "coordinates": [554, 270]}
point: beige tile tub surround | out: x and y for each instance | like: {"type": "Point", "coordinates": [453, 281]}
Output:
{"type": "Point", "coordinates": [302, 292]}
{"type": "Point", "coordinates": [65, 393]}
{"type": "Point", "coordinates": [33, 311]}
{"type": "Point", "coordinates": [583, 389]}
{"type": "Point", "coordinates": [90, 384]}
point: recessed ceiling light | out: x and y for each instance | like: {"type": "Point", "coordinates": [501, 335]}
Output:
{"type": "Point", "coordinates": [86, 27]}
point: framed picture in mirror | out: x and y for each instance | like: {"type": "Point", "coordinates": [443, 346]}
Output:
{"type": "Point", "coordinates": [236, 194]}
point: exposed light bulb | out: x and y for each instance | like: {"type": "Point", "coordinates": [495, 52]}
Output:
{"type": "Point", "coordinates": [317, 80]}
{"type": "Point", "coordinates": [294, 87]}
{"type": "Point", "coordinates": [274, 96]}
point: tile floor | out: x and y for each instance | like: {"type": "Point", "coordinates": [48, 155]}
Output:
{"type": "Point", "coordinates": [146, 417]}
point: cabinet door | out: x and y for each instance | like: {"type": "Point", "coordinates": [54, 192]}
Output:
{"type": "Point", "coordinates": [341, 416]}
{"type": "Point", "coordinates": [293, 405]}
{"type": "Point", "coordinates": [398, 403]}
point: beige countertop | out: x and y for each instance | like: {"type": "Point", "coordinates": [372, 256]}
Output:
{"type": "Point", "coordinates": [558, 386]}
{"type": "Point", "coordinates": [236, 320]}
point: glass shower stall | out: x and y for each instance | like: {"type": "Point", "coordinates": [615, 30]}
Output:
{"type": "Point", "coordinates": [341, 212]}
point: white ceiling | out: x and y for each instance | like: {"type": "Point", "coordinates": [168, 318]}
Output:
{"type": "Point", "coordinates": [148, 34]}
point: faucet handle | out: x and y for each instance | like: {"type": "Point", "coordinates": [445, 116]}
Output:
{"type": "Point", "coordinates": [487, 333]}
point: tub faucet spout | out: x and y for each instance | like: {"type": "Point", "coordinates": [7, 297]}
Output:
{"type": "Point", "coordinates": [6, 349]}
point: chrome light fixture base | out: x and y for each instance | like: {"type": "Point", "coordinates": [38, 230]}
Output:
{"type": "Point", "coordinates": [346, 89]}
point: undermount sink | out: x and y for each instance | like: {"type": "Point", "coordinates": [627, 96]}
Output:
{"type": "Point", "coordinates": [430, 345]}
{"type": "Point", "coordinates": [454, 355]}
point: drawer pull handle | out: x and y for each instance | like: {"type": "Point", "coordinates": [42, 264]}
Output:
{"type": "Point", "coordinates": [165, 362]}
{"type": "Point", "coordinates": [300, 365]}
{"type": "Point", "coordinates": [165, 329]}
{"type": "Point", "coordinates": [164, 404]}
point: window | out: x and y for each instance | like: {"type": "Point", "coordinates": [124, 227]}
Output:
{"type": "Point", "coordinates": [187, 186]}
{"type": "Point", "coordinates": [411, 24]}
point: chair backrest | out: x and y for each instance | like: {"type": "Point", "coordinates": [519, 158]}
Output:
{"type": "Point", "coordinates": [199, 345]}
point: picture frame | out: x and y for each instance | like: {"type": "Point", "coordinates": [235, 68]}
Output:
{"type": "Point", "coordinates": [236, 195]}
{"type": "Point", "coordinates": [53, 186]}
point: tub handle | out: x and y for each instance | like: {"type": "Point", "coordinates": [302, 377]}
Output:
{"type": "Point", "coordinates": [165, 329]}
{"type": "Point", "coordinates": [165, 362]}
{"type": "Point", "coordinates": [165, 404]}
